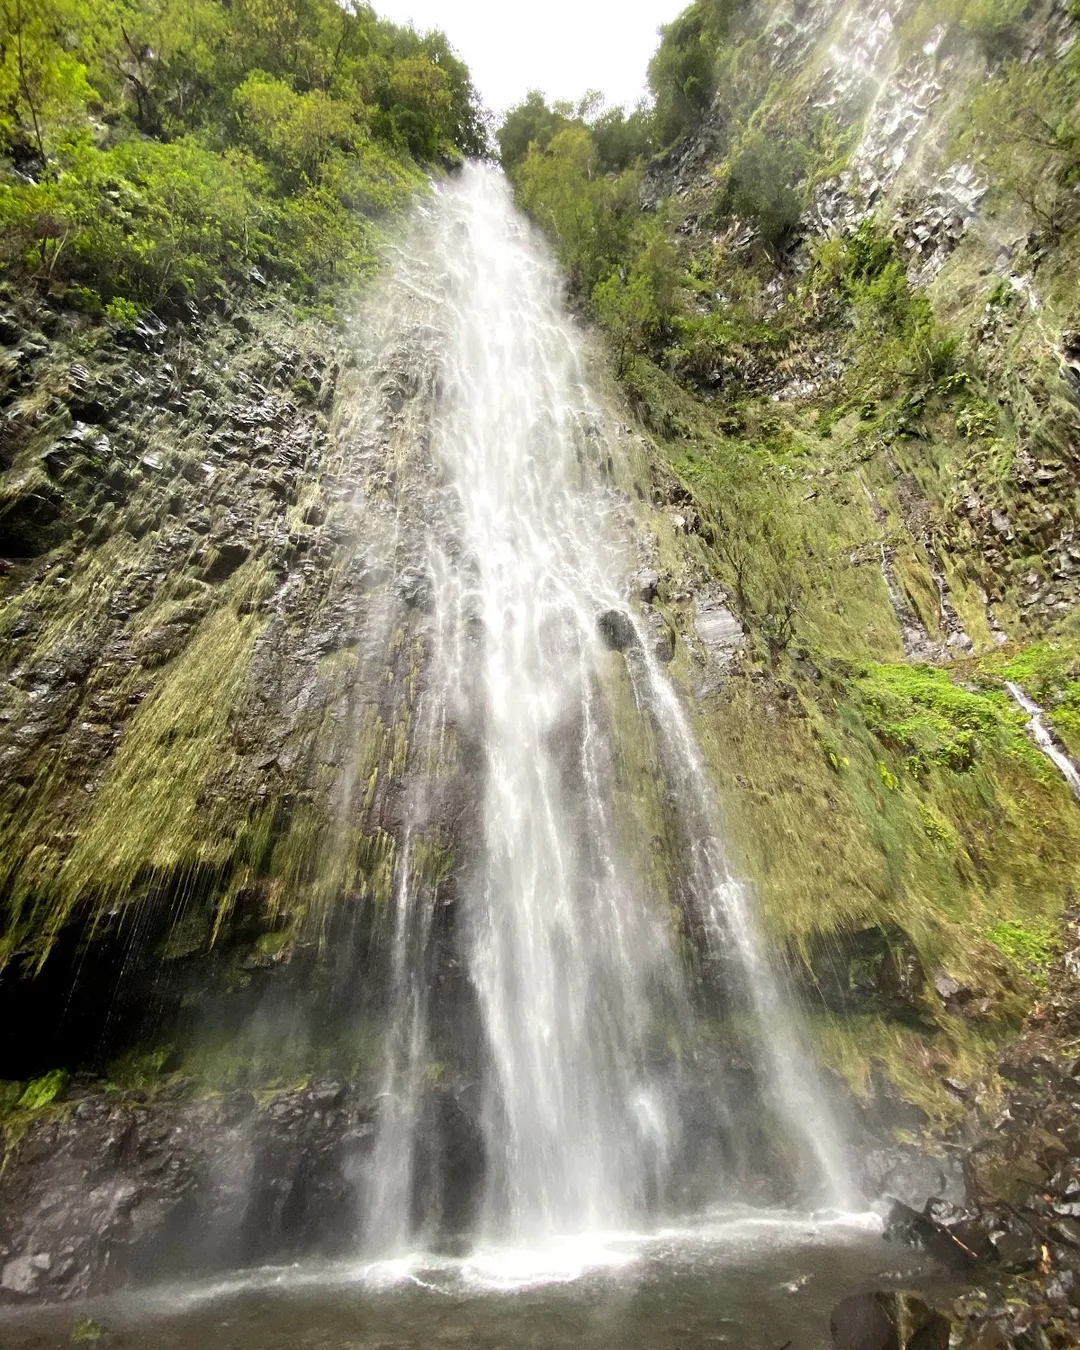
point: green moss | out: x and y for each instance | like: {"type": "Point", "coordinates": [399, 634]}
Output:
{"type": "Point", "coordinates": [1030, 948]}
{"type": "Point", "coordinates": [855, 1046]}
{"type": "Point", "coordinates": [139, 1069]}
{"type": "Point", "coordinates": [431, 860]}
{"type": "Point", "coordinates": [276, 943]}
{"type": "Point", "coordinates": [156, 810]}
{"type": "Point", "coordinates": [267, 1057]}
{"type": "Point", "coordinates": [644, 818]}
{"type": "Point", "coordinates": [922, 714]}
{"type": "Point", "coordinates": [43, 1091]}
{"type": "Point", "coordinates": [1048, 672]}
{"type": "Point", "coordinates": [85, 1331]}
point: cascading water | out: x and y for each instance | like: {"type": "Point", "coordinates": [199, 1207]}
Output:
{"type": "Point", "coordinates": [1042, 738]}
{"type": "Point", "coordinates": [577, 994]}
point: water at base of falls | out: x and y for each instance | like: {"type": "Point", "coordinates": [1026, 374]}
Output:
{"type": "Point", "coordinates": [541, 1047]}
{"type": "Point", "coordinates": [752, 1281]}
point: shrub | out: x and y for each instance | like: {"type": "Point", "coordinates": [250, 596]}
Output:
{"type": "Point", "coordinates": [762, 186]}
{"type": "Point", "coordinates": [682, 73]}
{"type": "Point", "coordinates": [257, 132]}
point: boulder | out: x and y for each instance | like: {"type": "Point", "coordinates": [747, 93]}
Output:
{"type": "Point", "coordinates": [884, 1320]}
{"type": "Point", "coordinates": [616, 630]}
{"type": "Point", "coordinates": [955, 1244]}
{"type": "Point", "coordinates": [1018, 1248]}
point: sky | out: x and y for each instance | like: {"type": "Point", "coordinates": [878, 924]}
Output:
{"type": "Point", "coordinates": [561, 47]}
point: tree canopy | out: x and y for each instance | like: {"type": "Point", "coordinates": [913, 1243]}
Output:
{"type": "Point", "coordinates": [157, 148]}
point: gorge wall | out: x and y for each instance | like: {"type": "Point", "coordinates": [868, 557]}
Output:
{"type": "Point", "coordinates": [844, 452]}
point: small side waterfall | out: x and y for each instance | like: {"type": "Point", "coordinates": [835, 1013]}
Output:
{"type": "Point", "coordinates": [556, 990]}
{"type": "Point", "coordinates": [1042, 738]}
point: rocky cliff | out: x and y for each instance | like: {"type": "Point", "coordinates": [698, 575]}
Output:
{"type": "Point", "coordinates": [848, 460]}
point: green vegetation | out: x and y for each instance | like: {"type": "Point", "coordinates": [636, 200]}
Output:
{"type": "Point", "coordinates": [1025, 126]}
{"type": "Point", "coordinates": [161, 150]}
{"type": "Point", "coordinates": [921, 714]}
{"type": "Point", "coordinates": [43, 1091]}
{"type": "Point", "coordinates": [684, 75]}
{"type": "Point", "coordinates": [1031, 949]}
{"type": "Point", "coordinates": [871, 472]}
{"type": "Point", "coordinates": [85, 1331]}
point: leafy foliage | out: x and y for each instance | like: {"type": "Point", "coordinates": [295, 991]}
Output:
{"type": "Point", "coordinates": [588, 215]}
{"type": "Point", "coordinates": [682, 74]}
{"type": "Point", "coordinates": [762, 185]}
{"type": "Point", "coordinates": [895, 337]}
{"type": "Point", "coordinates": [159, 150]}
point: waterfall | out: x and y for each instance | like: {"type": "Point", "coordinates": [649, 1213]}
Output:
{"type": "Point", "coordinates": [556, 994]}
{"type": "Point", "coordinates": [1043, 739]}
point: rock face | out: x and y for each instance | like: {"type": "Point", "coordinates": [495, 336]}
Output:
{"type": "Point", "coordinates": [617, 630]}
{"type": "Point", "coordinates": [888, 1321]}
{"type": "Point", "coordinates": [871, 970]}
{"type": "Point", "coordinates": [120, 1191]}
{"type": "Point", "coordinates": [720, 633]}
{"type": "Point", "coordinates": [1013, 1228]}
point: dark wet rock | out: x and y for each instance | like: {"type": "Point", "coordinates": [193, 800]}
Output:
{"type": "Point", "coordinates": [925, 1230]}
{"type": "Point", "coordinates": [162, 644]}
{"type": "Point", "coordinates": [226, 558]}
{"type": "Point", "coordinates": [953, 994]}
{"type": "Point", "coordinates": [617, 630]}
{"type": "Point", "coordinates": [661, 637]}
{"type": "Point", "coordinates": [451, 1161]}
{"type": "Point", "coordinates": [986, 1336]}
{"type": "Point", "coordinates": [913, 1175]}
{"type": "Point", "coordinates": [648, 583]}
{"type": "Point", "coordinates": [118, 1191]}
{"type": "Point", "coordinates": [1017, 1248]}
{"type": "Point", "coordinates": [888, 1321]}
{"type": "Point", "coordinates": [414, 587]}
{"type": "Point", "coordinates": [872, 970]}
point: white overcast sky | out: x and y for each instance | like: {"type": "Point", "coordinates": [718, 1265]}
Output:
{"type": "Point", "coordinates": [562, 47]}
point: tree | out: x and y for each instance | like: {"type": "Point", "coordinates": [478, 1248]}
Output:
{"type": "Point", "coordinates": [44, 90]}
{"type": "Point", "coordinates": [682, 73]}
{"type": "Point", "coordinates": [530, 123]}
{"type": "Point", "coordinates": [636, 303]}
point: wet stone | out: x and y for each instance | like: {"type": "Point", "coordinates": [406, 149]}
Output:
{"type": "Point", "coordinates": [647, 583]}
{"type": "Point", "coordinates": [986, 1336]}
{"type": "Point", "coordinates": [617, 630]}
{"type": "Point", "coordinates": [1018, 1249]}
{"type": "Point", "coordinates": [720, 633]}
{"type": "Point", "coordinates": [888, 1321]}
